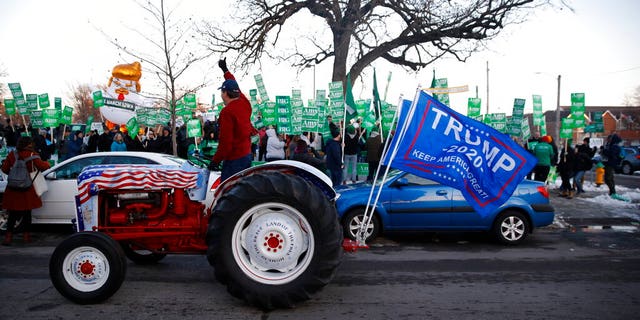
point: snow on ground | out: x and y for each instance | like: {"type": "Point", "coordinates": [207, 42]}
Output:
{"type": "Point", "coordinates": [601, 196]}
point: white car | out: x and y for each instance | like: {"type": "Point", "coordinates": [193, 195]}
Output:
{"type": "Point", "coordinates": [58, 203]}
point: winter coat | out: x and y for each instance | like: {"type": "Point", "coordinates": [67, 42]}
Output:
{"type": "Point", "coordinates": [235, 128]}
{"type": "Point", "coordinates": [374, 147]}
{"type": "Point", "coordinates": [583, 158]}
{"type": "Point", "coordinates": [334, 155]}
{"type": "Point", "coordinates": [275, 146]}
{"type": "Point", "coordinates": [351, 144]}
{"type": "Point", "coordinates": [118, 146]}
{"type": "Point", "coordinates": [612, 151]}
{"type": "Point", "coordinates": [544, 153]}
{"type": "Point", "coordinates": [16, 200]}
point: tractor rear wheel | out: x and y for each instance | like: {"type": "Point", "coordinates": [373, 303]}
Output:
{"type": "Point", "coordinates": [274, 239]}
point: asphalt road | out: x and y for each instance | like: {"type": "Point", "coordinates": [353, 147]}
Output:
{"type": "Point", "coordinates": [582, 267]}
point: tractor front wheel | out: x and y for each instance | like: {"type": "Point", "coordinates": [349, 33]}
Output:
{"type": "Point", "coordinates": [87, 267]}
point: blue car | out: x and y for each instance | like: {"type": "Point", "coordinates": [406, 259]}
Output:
{"type": "Point", "coordinates": [411, 203]}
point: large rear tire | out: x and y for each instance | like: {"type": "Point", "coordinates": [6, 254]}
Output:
{"type": "Point", "coordinates": [87, 267]}
{"type": "Point", "coordinates": [274, 239]}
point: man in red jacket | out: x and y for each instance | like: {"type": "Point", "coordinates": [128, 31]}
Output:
{"type": "Point", "coordinates": [235, 128]}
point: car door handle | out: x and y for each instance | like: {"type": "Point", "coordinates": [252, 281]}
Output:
{"type": "Point", "coordinates": [442, 192]}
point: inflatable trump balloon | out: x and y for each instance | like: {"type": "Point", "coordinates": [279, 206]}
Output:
{"type": "Point", "coordinates": [121, 97]}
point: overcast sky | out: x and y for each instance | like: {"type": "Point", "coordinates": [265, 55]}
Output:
{"type": "Point", "coordinates": [49, 46]}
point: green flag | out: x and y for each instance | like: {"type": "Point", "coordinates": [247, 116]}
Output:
{"type": "Point", "coordinates": [377, 104]}
{"type": "Point", "coordinates": [132, 126]}
{"type": "Point", "coordinates": [88, 124]}
{"type": "Point", "coordinates": [349, 105]}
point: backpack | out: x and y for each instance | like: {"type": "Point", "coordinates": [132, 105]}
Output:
{"type": "Point", "coordinates": [19, 177]}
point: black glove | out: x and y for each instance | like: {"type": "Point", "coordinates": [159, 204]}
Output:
{"type": "Point", "coordinates": [222, 63]}
{"type": "Point", "coordinates": [213, 166]}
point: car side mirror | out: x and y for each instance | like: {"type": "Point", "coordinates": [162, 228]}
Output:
{"type": "Point", "coordinates": [401, 182]}
{"type": "Point", "coordinates": [51, 175]}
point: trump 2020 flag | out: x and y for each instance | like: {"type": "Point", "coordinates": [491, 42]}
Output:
{"type": "Point", "coordinates": [435, 142]}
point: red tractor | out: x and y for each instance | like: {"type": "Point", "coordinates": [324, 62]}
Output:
{"type": "Point", "coordinates": [271, 232]}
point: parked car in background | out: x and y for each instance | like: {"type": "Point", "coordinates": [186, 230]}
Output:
{"type": "Point", "coordinates": [411, 203]}
{"type": "Point", "coordinates": [631, 160]}
{"type": "Point", "coordinates": [58, 203]}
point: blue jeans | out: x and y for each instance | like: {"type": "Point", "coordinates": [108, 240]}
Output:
{"type": "Point", "coordinates": [231, 167]}
{"type": "Point", "coordinates": [350, 163]}
{"type": "Point", "coordinates": [336, 177]}
{"type": "Point", "coordinates": [577, 180]}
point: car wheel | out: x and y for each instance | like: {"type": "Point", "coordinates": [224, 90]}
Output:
{"type": "Point", "coordinates": [87, 267]}
{"type": "Point", "coordinates": [626, 168]}
{"type": "Point", "coordinates": [351, 225]}
{"type": "Point", "coordinates": [274, 239]}
{"type": "Point", "coordinates": [511, 227]}
{"type": "Point", "coordinates": [4, 219]}
{"type": "Point", "coordinates": [139, 255]}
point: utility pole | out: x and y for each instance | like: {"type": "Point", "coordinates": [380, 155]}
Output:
{"type": "Point", "coordinates": [487, 87]}
{"type": "Point", "coordinates": [557, 137]}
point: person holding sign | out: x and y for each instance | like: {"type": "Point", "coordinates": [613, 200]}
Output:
{"type": "Point", "coordinates": [234, 143]}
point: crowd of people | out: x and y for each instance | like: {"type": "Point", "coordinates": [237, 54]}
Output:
{"type": "Point", "coordinates": [573, 161]}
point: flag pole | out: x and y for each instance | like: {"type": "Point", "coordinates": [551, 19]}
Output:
{"type": "Point", "coordinates": [369, 213]}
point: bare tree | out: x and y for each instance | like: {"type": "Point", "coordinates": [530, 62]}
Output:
{"type": "Point", "coordinates": [409, 33]}
{"type": "Point", "coordinates": [3, 86]}
{"type": "Point", "coordinates": [81, 98]}
{"type": "Point", "coordinates": [168, 53]}
{"type": "Point", "coordinates": [632, 99]}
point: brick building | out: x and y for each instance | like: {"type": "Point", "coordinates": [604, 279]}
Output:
{"type": "Point", "coordinates": [625, 121]}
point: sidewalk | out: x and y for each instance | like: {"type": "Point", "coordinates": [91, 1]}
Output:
{"type": "Point", "coordinates": [595, 209]}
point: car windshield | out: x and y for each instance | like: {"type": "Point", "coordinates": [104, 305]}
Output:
{"type": "Point", "coordinates": [392, 174]}
{"type": "Point", "coordinates": [175, 159]}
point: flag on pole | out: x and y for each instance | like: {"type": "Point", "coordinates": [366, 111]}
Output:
{"type": "Point", "coordinates": [437, 143]}
{"type": "Point", "coordinates": [377, 104]}
{"type": "Point", "coordinates": [350, 110]}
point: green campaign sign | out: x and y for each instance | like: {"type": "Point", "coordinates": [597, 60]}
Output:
{"type": "Point", "coordinates": [32, 101]}
{"type": "Point", "coordinates": [22, 106]}
{"type": "Point", "coordinates": [442, 97]}
{"type": "Point", "coordinates": [43, 100]}
{"type": "Point", "coordinates": [566, 128]}
{"type": "Point", "coordinates": [283, 114]}
{"type": "Point", "coordinates": [67, 115]}
{"type": "Point", "coordinates": [57, 103]}
{"type": "Point", "coordinates": [37, 118]}
{"type": "Point", "coordinates": [190, 100]}
{"type": "Point", "coordinates": [194, 128]}
{"type": "Point", "coordinates": [537, 110]}
{"type": "Point", "coordinates": [473, 107]}
{"type": "Point", "coordinates": [261, 88]}
{"type": "Point", "coordinates": [518, 108]}
{"type": "Point", "coordinates": [577, 109]}
{"type": "Point", "coordinates": [98, 100]}
{"type": "Point", "coordinates": [269, 113]}
{"type": "Point", "coordinates": [498, 121]}
{"type": "Point", "coordinates": [10, 106]}
{"type": "Point", "coordinates": [16, 90]}
{"type": "Point", "coordinates": [50, 117]}
{"type": "Point", "coordinates": [309, 119]}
